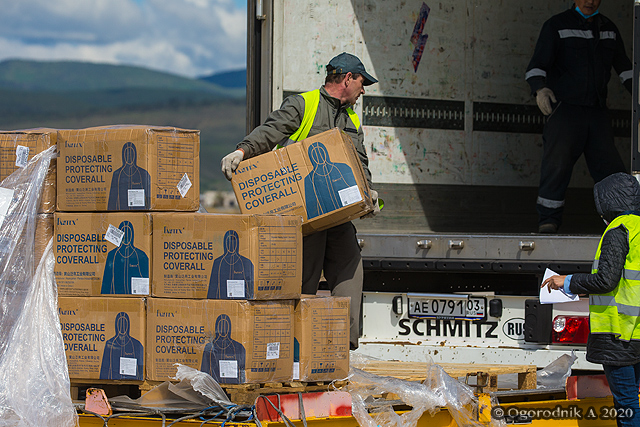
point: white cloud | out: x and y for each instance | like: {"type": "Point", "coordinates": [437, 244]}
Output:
{"type": "Point", "coordinates": [187, 37]}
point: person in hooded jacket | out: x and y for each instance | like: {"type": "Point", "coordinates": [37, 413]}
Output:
{"type": "Point", "coordinates": [613, 287]}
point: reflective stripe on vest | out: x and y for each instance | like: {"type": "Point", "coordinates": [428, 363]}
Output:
{"type": "Point", "coordinates": [618, 312]}
{"type": "Point", "coordinates": [311, 102]}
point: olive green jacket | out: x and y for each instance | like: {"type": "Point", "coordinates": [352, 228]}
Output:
{"type": "Point", "coordinates": [285, 121]}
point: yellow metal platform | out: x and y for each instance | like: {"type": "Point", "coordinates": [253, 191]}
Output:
{"type": "Point", "coordinates": [588, 412]}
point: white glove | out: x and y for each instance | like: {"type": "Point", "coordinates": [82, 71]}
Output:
{"type": "Point", "coordinates": [544, 97]}
{"type": "Point", "coordinates": [230, 163]}
{"type": "Point", "coordinates": [376, 205]}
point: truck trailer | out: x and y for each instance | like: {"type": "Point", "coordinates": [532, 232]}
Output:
{"type": "Point", "coordinates": [453, 263]}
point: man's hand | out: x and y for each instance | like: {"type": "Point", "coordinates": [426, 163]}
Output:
{"type": "Point", "coordinates": [230, 163]}
{"type": "Point", "coordinates": [376, 206]}
{"type": "Point", "coordinates": [544, 98]}
{"type": "Point", "coordinates": [554, 282]}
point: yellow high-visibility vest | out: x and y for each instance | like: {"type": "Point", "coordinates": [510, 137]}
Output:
{"type": "Point", "coordinates": [311, 102]}
{"type": "Point", "coordinates": [618, 312]}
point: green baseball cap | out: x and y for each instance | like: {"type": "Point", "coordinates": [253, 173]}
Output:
{"type": "Point", "coordinates": [347, 63]}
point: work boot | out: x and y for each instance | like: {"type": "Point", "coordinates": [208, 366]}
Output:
{"type": "Point", "coordinates": [548, 228]}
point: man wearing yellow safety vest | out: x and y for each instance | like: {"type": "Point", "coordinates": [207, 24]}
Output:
{"type": "Point", "coordinates": [334, 252]}
{"type": "Point", "coordinates": [614, 293]}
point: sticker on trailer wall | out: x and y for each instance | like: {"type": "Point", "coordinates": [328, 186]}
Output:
{"type": "Point", "coordinates": [224, 358]}
{"type": "Point", "coordinates": [123, 355]}
{"type": "Point", "coordinates": [231, 274]}
{"type": "Point", "coordinates": [329, 186]}
{"type": "Point", "coordinates": [130, 184]}
{"type": "Point", "coordinates": [418, 39]}
{"type": "Point", "coordinates": [126, 269]}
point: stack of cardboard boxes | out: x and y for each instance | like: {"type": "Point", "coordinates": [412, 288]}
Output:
{"type": "Point", "coordinates": [146, 282]}
{"type": "Point", "coordinates": [110, 180]}
{"type": "Point", "coordinates": [230, 280]}
{"type": "Point", "coordinates": [321, 179]}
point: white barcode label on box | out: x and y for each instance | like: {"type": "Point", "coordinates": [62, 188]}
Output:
{"type": "Point", "coordinates": [228, 369]}
{"type": "Point", "coordinates": [135, 198]}
{"type": "Point", "coordinates": [128, 366]}
{"type": "Point", "coordinates": [184, 185]}
{"type": "Point", "coordinates": [140, 285]}
{"type": "Point", "coordinates": [114, 235]}
{"type": "Point", "coordinates": [296, 370]}
{"type": "Point", "coordinates": [235, 288]}
{"type": "Point", "coordinates": [350, 195]}
{"type": "Point", "coordinates": [273, 350]}
{"type": "Point", "coordinates": [22, 156]}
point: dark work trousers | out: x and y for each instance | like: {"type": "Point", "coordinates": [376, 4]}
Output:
{"type": "Point", "coordinates": [624, 382]}
{"type": "Point", "coordinates": [570, 131]}
{"type": "Point", "coordinates": [336, 252]}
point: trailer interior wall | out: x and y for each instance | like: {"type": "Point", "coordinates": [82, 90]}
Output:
{"type": "Point", "coordinates": [453, 134]}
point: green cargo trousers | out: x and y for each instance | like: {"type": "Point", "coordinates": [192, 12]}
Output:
{"type": "Point", "coordinates": [335, 252]}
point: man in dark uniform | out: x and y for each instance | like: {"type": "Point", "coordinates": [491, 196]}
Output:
{"type": "Point", "coordinates": [568, 74]}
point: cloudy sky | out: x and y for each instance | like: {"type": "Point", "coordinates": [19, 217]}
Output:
{"type": "Point", "coordinates": [186, 37]}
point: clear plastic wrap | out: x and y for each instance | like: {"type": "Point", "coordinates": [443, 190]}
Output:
{"type": "Point", "coordinates": [195, 391]}
{"type": "Point", "coordinates": [28, 143]}
{"type": "Point", "coordinates": [437, 391]}
{"type": "Point", "coordinates": [555, 374]}
{"type": "Point", "coordinates": [34, 381]}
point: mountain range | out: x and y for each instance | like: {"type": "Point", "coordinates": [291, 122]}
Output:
{"type": "Point", "coordinates": [74, 95]}
{"type": "Point", "coordinates": [65, 76]}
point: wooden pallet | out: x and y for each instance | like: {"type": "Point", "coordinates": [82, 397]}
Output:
{"type": "Point", "coordinates": [238, 393]}
{"type": "Point", "coordinates": [486, 379]}
{"type": "Point", "coordinates": [246, 394]}
{"type": "Point", "coordinates": [486, 374]}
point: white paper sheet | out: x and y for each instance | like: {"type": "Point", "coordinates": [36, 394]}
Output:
{"type": "Point", "coordinates": [555, 296]}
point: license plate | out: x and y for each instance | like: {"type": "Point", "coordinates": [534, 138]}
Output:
{"type": "Point", "coordinates": [447, 306]}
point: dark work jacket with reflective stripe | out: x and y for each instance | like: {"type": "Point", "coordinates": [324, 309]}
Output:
{"type": "Point", "coordinates": [606, 349]}
{"type": "Point", "coordinates": [578, 69]}
{"type": "Point", "coordinates": [285, 121]}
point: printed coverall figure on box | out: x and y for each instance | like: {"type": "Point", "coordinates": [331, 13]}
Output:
{"type": "Point", "coordinates": [130, 184]}
{"type": "Point", "coordinates": [123, 355]}
{"type": "Point", "coordinates": [224, 358]}
{"type": "Point", "coordinates": [124, 263]}
{"type": "Point", "coordinates": [231, 274]}
{"type": "Point", "coordinates": [323, 185]}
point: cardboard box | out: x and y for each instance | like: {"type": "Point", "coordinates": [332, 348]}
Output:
{"type": "Point", "coordinates": [218, 256]}
{"type": "Point", "coordinates": [104, 337]}
{"type": "Point", "coordinates": [122, 168]}
{"type": "Point", "coordinates": [234, 341]}
{"type": "Point", "coordinates": [43, 234]}
{"type": "Point", "coordinates": [320, 178]}
{"type": "Point", "coordinates": [18, 147]}
{"type": "Point", "coordinates": [321, 338]}
{"type": "Point", "coordinates": [103, 253]}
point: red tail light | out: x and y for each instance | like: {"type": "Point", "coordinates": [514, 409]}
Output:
{"type": "Point", "coordinates": [570, 330]}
